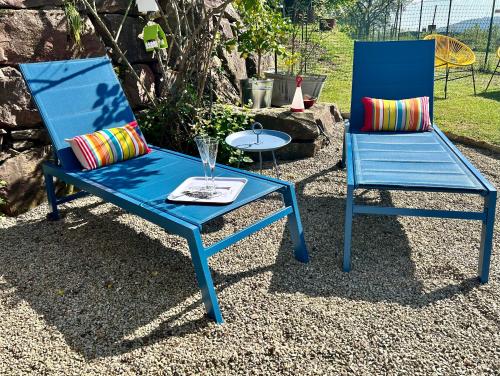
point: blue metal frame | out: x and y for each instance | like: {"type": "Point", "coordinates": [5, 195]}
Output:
{"type": "Point", "coordinates": [199, 252]}
{"type": "Point", "coordinates": [101, 104]}
{"type": "Point", "coordinates": [487, 216]}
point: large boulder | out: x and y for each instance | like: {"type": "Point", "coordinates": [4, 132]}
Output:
{"type": "Point", "coordinates": [223, 88]}
{"type": "Point", "coordinates": [231, 14]}
{"type": "Point", "coordinates": [135, 92]}
{"type": "Point", "coordinates": [26, 4]}
{"type": "Point", "coordinates": [129, 41]}
{"type": "Point", "coordinates": [36, 134]}
{"type": "Point", "coordinates": [103, 6]}
{"type": "Point", "coordinates": [301, 150]}
{"type": "Point", "coordinates": [233, 64]}
{"type": "Point", "coordinates": [299, 125]}
{"type": "Point", "coordinates": [303, 126]}
{"type": "Point", "coordinates": [24, 178]}
{"type": "Point", "coordinates": [114, 6]}
{"type": "Point", "coordinates": [310, 130]}
{"type": "Point", "coordinates": [41, 35]}
{"type": "Point", "coordinates": [16, 105]}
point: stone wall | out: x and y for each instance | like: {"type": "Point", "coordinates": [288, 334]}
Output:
{"type": "Point", "coordinates": [36, 30]}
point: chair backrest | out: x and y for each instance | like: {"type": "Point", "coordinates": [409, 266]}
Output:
{"type": "Point", "coordinates": [76, 97]}
{"type": "Point", "coordinates": [451, 52]}
{"type": "Point", "coordinates": [391, 70]}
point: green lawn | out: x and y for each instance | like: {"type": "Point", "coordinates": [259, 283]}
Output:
{"type": "Point", "coordinates": [464, 114]}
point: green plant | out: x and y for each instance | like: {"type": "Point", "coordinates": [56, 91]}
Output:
{"type": "Point", "coordinates": [262, 30]}
{"type": "Point", "coordinates": [221, 122]}
{"type": "Point", "coordinates": [170, 124]}
{"type": "Point", "coordinates": [74, 20]}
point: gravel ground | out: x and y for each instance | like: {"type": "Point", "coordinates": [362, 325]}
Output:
{"type": "Point", "coordinates": [104, 292]}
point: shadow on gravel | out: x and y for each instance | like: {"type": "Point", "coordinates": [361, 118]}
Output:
{"type": "Point", "coordinates": [382, 268]}
{"type": "Point", "coordinates": [97, 280]}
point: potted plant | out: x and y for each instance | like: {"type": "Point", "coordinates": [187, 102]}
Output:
{"type": "Point", "coordinates": [303, 46]}
{"type": "Point", "coordinates": [263, 30]}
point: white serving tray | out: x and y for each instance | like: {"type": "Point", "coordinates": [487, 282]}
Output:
{"type": "Point", "coordinates": [227, 190]}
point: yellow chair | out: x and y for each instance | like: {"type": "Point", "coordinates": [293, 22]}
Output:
{"type": "Point", "coordinates": [495, 71]}
{"type": "Point", "coordinates": [453, 54]}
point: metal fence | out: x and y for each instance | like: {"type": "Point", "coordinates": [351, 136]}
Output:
{"type": "Point", "coordinates": [474, 22]}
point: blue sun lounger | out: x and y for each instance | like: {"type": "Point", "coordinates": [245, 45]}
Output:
{"type": "Point", "coordinates": [407, 161]}
{"type": "Point", "coordinates": [82, 96]}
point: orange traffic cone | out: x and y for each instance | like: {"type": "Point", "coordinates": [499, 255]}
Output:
{"type": "Point", "coordinates": [298, 100]}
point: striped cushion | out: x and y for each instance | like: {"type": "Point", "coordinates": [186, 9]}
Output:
{"type": "Point", "coordinates": [109, 146]}
{"type": "Point", "coordinates": [411, 115]}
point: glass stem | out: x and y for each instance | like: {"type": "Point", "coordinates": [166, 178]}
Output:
{"type": "Point", "coordinates": [205, 168]}
{"type": "Point", "coordinates": [212, 175]}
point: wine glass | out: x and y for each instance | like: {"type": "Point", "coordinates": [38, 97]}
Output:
{"type": "Point", "coordinates": [212, 145]}
{"type": "Point", "coordinates": [202, 149]}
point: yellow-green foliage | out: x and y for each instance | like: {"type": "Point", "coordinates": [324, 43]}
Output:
{"type": "Point", "coordinates": [74, 21]}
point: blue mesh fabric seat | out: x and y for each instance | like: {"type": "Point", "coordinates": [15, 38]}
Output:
{"type": "Point", "coordinates": [409, 161]}
{"type": "Point", "coordinates": [76, 97]}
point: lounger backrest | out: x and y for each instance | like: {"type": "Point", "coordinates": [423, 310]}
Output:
{"type": "Point", "coordinates": [76, 97]}
{"type": "Point", "coordinates": [391, 70]}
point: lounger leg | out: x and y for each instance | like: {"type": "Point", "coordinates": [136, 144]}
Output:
{"type": "Point", "coordinates": [473, 79]}
{"type": "Point", "coordinates": [487, 236]}
{"type": "Point", "coordinates": [51, 196]}
{"type": "Point", "coordinates": [348, 229]}
{"type": "Point", "coordinates": [295, 226]}
{"type": "Point", "coordinates": [204, 278]}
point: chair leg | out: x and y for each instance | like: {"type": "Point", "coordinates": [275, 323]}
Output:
{"type": "Point", "coordinates": [487, 236]}
{"type": "Point", "coordinates": [473, 79]}
{"type": "Point", "coordinates": [348, 228]}
{"type": "Point", "coordinates": [492, 75]}
{"type": "Point", "coordinates": [446, 83]}
{"type": "Point", "coordinates": [51, 196]}
{"type": "Point", "coordinates": [295, 226]}
{"type": "Point", "coordinates": [204, 278]}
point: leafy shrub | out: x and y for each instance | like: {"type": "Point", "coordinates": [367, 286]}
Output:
{"type": "Point", "coordinates": [171, 124]}
{"type": "Point", "coordinates": [221, 122]}
{"type": "Point", "coordinates": [174, 126]}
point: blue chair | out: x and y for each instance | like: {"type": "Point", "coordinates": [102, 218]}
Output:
{"type": "Point", "coordinates": [406, 161]}
{"type": "Point", "coordinates": [82, 96]}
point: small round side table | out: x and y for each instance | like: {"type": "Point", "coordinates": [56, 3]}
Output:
{"type": "Point", "coordinates": [259, 140]}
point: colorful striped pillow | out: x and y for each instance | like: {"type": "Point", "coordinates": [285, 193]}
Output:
{"type": "Point", "coordinates": [109, 146]}
{"type": "Point", "coordinates": [411, 115]}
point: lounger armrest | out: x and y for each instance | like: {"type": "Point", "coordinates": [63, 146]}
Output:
{"type": "Point", "coordinates": [349, 162]}
{"type": "Point", "coordinates": [347, 125]}
{"type": "Point", "coordinates": [487, 185]}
